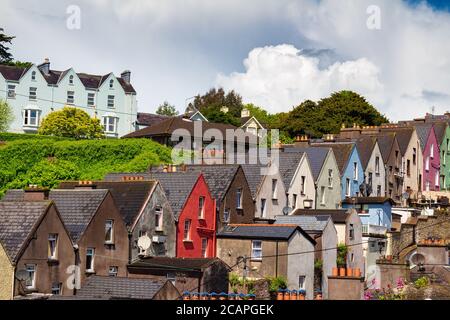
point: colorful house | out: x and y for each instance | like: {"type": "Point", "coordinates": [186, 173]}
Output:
{"type": "Point", "coordinates": [194, 209]}
{"type": "Point", "coordinates": [431, 156]}
{"type": "Point", "coordinates": [442, 130]}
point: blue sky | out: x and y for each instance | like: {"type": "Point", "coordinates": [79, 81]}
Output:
{"type": "Point", "coordinates": [275, 53]}
{"type": "Point", "coordinates": [437, 4]}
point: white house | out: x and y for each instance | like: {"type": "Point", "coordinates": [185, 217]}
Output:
{"type": "Point", "coordinates": [36, 91]}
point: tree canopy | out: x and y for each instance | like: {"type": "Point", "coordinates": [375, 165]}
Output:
{"type": "Point", "coordinates": [213, 100]}
{"type": "Point", "coordinates": [5, 55]}
{"type": "Point", "coordinates": [166, 109]}
{"type": "Point", "coordinates": [71, 122]}
{"type": "Point", "coordinates": [6, 115]}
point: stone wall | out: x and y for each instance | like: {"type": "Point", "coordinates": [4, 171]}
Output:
{"type": "Point", "coordinates": [389, 272]}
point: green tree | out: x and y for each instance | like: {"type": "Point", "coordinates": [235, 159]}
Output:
{"type": "Point", "coordinates": [72, 123]}
{"type": "Point", "coordinates": [212, 101]}
{"type": "Point", "coordinates": [166, 109]}
{"type": "Point", "coordinates": [5, 55]}
{"type": "Point", "coordinates": [6, 116]}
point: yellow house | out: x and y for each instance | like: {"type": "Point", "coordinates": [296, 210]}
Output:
{"type": "Point", "coordinates": [6, 276]}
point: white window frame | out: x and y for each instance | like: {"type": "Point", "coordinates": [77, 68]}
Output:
{"type": "Point", "coordinates": [303, 185]}
{"type": "Point", "coordinates": [239, 198]}
{"type": "Point", "coordinates": [226, 215]}
{"type": "Point", "coordinates": [201, 207]}
{"type": "Point", "coordinates": [427, 163]}
{"type": "Point", "coordinates": [274, 189]}
{"type": "Point", "coordinates": [263, 207]}
{"type": "Point", "coordinates": [33, 75]}
{"type": "Point", "coordinates": [256, 250]}
{"type": "Point", "coordinates": [113, 271]}
{"type": "Point", "coordinates": [432, 151]}
{"type": "Point", "coordinates": [53, 246]}
{"type": "Point", "coordinates": [294, 200]}
{"type": "Point", "coordinates": [27, 118]}
{"type": "Point", "coordinates": [70, 97]}
{"type": "Point", "coordinates": [107, 125]}
{"type": "Point", "coordinates": [110, 102]}
{"type": "Point", "coordinates": [111, 83]}
{"type": "Point", "coordinates": [91, 99]}
{"type": "Point", "coordinates": [436, 179]}
{"type": "Point", "coordinates": [159, 219]}
{"type": "Point", "coordinates": [90, 252]}
{"type": "Point", "coordinates": [348, 187]}
{"type": "Point", "coordinates": [322, 198]}
{"type": "Point", "coordinates": [187, 230]}
{"type": "Point", "coordinates": [204, 247]}
{"type": "Point", "coordinates": [301, 282]}
{"type": "Point", "coordinates": [71, 79]}
{"type": "Point", "coordinates": [141, 234]}
{"type": "Point", "coordinates": [330, 178]}
{"type": "Point", "coordinates": [57, 287]}
{"type": "Point", "coordinates": [31, 270]}
{"type": "Point", "coordinates": [11, 91]}
{"type": "Point", "coordinates": [355, 171]}
{"type": "Point", "coordinates": [32, 94]}
{"type": "Point", "coordinates": [377, 165]}
{"type": "Point", "coordinates": [109, 226]}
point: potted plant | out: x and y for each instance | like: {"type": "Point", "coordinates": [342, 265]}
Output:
{"type": "Point", "coordinates": [301, 294]}
{"type": "Point", "coordinates": [341, 259]}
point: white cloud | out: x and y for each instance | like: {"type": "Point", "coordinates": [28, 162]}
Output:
{"type": "Point", "coordinates": [279, 77]}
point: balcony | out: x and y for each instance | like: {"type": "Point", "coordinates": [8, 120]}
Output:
{"type": "Point", "coordinates": [373, 230]}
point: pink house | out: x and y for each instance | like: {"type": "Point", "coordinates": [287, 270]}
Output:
{"type": "Point", "coordinates": [431, 156]}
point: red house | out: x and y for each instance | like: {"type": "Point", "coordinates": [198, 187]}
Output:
{"type": "Point", "coordinates": [195, 211]}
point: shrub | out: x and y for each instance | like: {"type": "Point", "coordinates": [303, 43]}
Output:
{"type": "Point", "coordinates": [276, 283]}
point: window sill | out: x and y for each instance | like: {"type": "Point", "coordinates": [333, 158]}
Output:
{"type": "Point", "coordinates": [159, 229]}
{"type": "Point", "coordinates": [187, 240]}
{"type": "Point", "coordinates": [256, 259]}
{"type": "Point", "coordinates": [52, 261]}
{"type": "Point", "coordinates": [90, 272]}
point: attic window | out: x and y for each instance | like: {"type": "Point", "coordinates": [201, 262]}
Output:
{"type": "Point", "coordinates": [71, 79]}
{"type": "Point", "coordinates": [111, 84]}
{"type": "Point", "coordinates": [33, 76]}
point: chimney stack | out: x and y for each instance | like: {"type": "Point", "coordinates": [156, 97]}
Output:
{"type": "Point", "coordinates": [45, 66]}
{"type": "Point", "coordinates": [126, 76]}
{"type": "Point", "coordinates": [302, 141]}
{"type": "Point", "coordinates": [245, 113]}
{"type": "Point", "coordinates": [35, 193]}
{"type": "Point", "coordinates": [85, 185]}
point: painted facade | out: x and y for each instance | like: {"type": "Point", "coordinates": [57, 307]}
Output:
{"type": "Point", "coordinates": [445, 159]}
{"type": "Point", "coordinates": [431, 163]}
{"type": "Point", "coordinates": [375, 173]}
{"type": "Point", "coordinates": [35, 92]}
{"type": "Point", "coordinates": [352, 176]}
{"type": "Point", "coordinates": [271, 196]}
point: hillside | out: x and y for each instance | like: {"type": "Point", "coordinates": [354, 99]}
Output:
{"type": "Point", "coordinates": [41, 160]}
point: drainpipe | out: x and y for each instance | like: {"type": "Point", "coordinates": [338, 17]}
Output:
{"type": "Point", "coordinates": [276, 260]}
{"type": "Point", "coordinates": [315, 196]}
{"type": "Point", "coordinates": [215, 228]}
{"type": "Point", "coordinates": [130, 247]}
{"type": "Point", "coordinates": [76, 254]}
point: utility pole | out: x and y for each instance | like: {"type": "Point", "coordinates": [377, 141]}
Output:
{"type": "Point", "coordinates": [244, 273]}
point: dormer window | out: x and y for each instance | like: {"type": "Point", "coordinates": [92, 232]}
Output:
{"type": "Point", "coordinates": [111, 83]}
{"type": "Point", "coordinates": [71, 79]}
{"type": "Point", "coordinates": [33, 76]}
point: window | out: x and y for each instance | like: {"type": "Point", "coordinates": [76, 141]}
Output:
{"type": "Point", "coordinates": [347, 187]}
{"type": "Point", "coordinates": [110, 124]}
{"type": "Point", "coordinates": [330, 178]}
{"type": "Point", "coordinates": [378, 191]}
{"type": "Point", "coordinates": [90, 255]}
{"type": "Point", "coordinates": [370, 179]}
{"type": "Point", "coordinates": [448, 144]}
{"type": "Point", "coordinates": [33, 95]}
{"type": "Point", "coordinates": [301, 282]}
{"type": "Point", "coordinates": [432, 151]}
{"type": "Point", "coordinates": [303, 185]}
{"type": "Point", "coordinates": [112, 271]}
{"type": "Point", "coordinates": [427, 186]}
{"type": "Point", "coordinates": [70, 97]}
{"type": "Point", "coordinates": [377, 165]}
{"type": "Point", "coordinates": [239, 198]}
{"type": "Point", "coordinates": [31, 118]}
{"type": "Point", "coordinates": [201, 207]}
{"type": "Point", "coordinates": [226, 215]}
{"type": "Point", "coordinates": [141, 234]}
{"type": "Point", "coordinates": [414, 156]}
{"type": "Point", "coordinates": [263, 208]}
{"type": "Point", "coordinates": [52, 246]}
{"type": "Point", "coordinates": [204, 247]}
{"type": "Point", "coordinates": [187, 230]}
{"type": "Point", "coordinates": [57, 289]}
{"type": "Point", "coordinates": [30, 282]}
{"type": "Point", "coordinates": [256, 250]}
{"type": "Point", "coordinates": [71, 79]}
{"type": "Point", "coordinates": [436, 179]}
{"type": "Point", "coordinates": [11, 91]}
{"type": "Point", "coordinates": [109, 231]}
{"type": "Point", "coordinates": [408, 167]}
{"type": "Point", "coordinates": [158, 219]}
{"type": "Point", "coordinates": [91, 99]}
{"type": "Point", "coordinates": [33, 76]}
{"type": "Point", "coordinates": [355, 171]}
{"type": "Point", "coordinates": [274, 188]}
{"type": "Point", "coordinates": [351, 232]}
{"type": "Point", "coordinates": [111, 83]}
{"type": "Point", "coordinates": [322, 198]}
{"type": "Point", "coordinates": [110, 101]}
{"type": "Point", "coordinates": [427, 164]}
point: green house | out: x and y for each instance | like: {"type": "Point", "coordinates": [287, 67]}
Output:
{"type": "Point", "coordinates": [442, 130]}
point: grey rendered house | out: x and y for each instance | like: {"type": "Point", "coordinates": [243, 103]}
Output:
{"type": "Point", "coordinates": [325, 171]}
{"type": "Point", "coordinates": [323, 231]}
{"type": "Point", "coordinates": [272, 251]}
{"type": "Point", "coordinates": [146, 212]}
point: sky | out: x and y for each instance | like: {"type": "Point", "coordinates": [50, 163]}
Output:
{"type": "Point", "coordinates": [275, 53]}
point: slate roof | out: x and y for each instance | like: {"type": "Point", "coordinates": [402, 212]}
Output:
{"type": "Point", "coordinates": [218, 177]}
{"type": "Point", "coordinates": [386, 141]}
{"type": "Point", "coordinates": [177, 185]}
{"type": "Point", "coordinates": [342, 152]}
{"type": "Point", "coordinates": [403, 135]}
{"type": "Point", "coordinates": [172, 263]}
{"type": "Point", "coordinates": [17, 221]}
{"type": "Point", "coordinates": [439, 130]}
{"type": "Point", "coordinates": [89, 80]}
{"type": "Point", "coordinates": [307, 223]}
{"type": "Point", "coordinates": [253, 175]}
{"type": "Point", "coordinates": [365, 200]}
{"type": "Point", "coordinates": [316, 157]}
{"type": "Point", "coordinates": [168, 126]}
{"type": "Point", "coordinates": [365, 146]}
{"type": "Point", "coordinates": [150, 119]}
{"type": "Point", "coordinates": [262, 231]}
{"type": "Point", "coordinates": [129, 196]}
{"type": "Point", "coordinates": [423, 132]}
{"type": "Point", "coordinates": [288, 163]}
{"type": "Point", "coordinates": [104, 287]}
{"type": "Point", "coordinates": [337, 215]}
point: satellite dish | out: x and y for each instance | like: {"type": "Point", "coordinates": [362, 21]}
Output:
{"type": "Point", "coordinates": [144, 242]}
{"type": "Point", "coordinates": [405, 195]}
{"type": "Point", "coordinates": [286, 210]}
{"type": "Point", "coordinates": [22, 275]}
{"type": "Point", "coordinates": [418, 259]}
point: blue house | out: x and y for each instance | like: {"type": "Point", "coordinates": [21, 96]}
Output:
{"type": "Point", "coordinates": [373, 211]}
{"type": "Point", "coordinates": [350, 166]}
